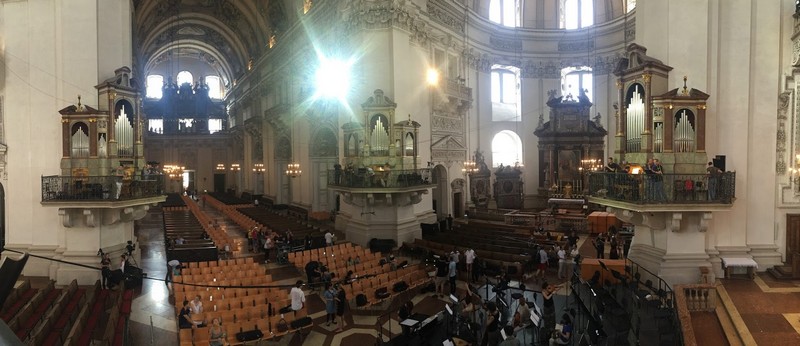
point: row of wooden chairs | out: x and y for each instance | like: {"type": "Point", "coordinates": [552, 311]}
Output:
{"type": "Point", "coordinates": [413, 276]}
{"type": "Point", "coordinates": [222, 279]}
{"type": "Point", "coordinates": [246, 270]}
{"type": "Point", "coordinates": [268, 325]}
{"type": "Point", "coordinates": [221, 263]}
{"type": "Point", "coordinates": [220, 236]}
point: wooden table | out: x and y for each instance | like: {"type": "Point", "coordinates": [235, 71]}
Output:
{"type": "Point", "coordinates": [590, 265]}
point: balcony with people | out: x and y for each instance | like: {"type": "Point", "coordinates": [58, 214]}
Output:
{"type": "Point", "coordinates": [638, 187]}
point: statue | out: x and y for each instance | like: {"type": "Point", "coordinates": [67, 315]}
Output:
{"type": "Point", "coordinates": [597, 120]}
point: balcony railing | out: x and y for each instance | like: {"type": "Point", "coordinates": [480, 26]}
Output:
{"type": "Point", "coordinates": [100, 188]}
{"type": "Point", "coordinates": [379, 179]}
{"type": "Point", "coordinates": [664, 188]}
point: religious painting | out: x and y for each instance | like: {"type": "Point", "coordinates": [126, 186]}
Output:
{"type": "Point", "coordinates": [568, 164]}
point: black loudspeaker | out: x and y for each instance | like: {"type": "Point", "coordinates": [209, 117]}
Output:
{"type": "Point", "coordinates": [133, 277]}
{"type": "Point", "coordinates": [249, 335]}
{"type": "Point", "coordinates": [719, 162]}
{"type": "Point", "coordinates": [301, 322]}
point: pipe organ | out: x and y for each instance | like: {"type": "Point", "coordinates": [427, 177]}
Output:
{"type": "Point", "coordinates": [655, 121]}
{"type": "Point", "coordinates": [124, 132]}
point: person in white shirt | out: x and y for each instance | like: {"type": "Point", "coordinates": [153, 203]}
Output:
{"type": "Point", "coordinates": [562, 263]}
{"type": "Point", "coordinates": [469, 257]}
{"type": "Point", "coordinates": [298, 297]}
{"type": "Point", "coordinates": [196, 306]}
{"type": "Point", "coordinates": [268, 245]}
{"type": "Point", "coordinates": [328, 238]}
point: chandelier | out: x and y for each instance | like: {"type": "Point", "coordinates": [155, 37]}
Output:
{"type": "Point", "coordinates": [469, 167]}
{"type": "Point", "coordinates": [220, 166]}
{"type": "Point", "coordinates": [259, 168]}
{"type": "Point", "coordinates": [293, 170]}
{"type": "Point", "coordinates": [174, 171]}
{"type": "Point", "coordinates": [235, 167]}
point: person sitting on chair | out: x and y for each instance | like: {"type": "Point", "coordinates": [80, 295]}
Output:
{"type": "Point", "coordinates": [563, 336]}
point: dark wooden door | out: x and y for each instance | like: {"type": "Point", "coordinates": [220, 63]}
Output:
{"type": "Point", "coordinates": [219, 183]}
{"type": "Point", "coordinates": [457, 210]}
{"type": "Point", "coordinates": [792, 236]}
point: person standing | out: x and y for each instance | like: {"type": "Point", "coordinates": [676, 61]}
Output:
{"type": "Point", "coordinates": [329, 238]}
{"type": "Point", "coordinates": [541, 268]}
{"type": "Point", "coordinates": [105, 262]}
{"type": "Point", "coordinates": [298, 296]}
{"type": "Point", "coordinates": [268, 245]}
{"type": "Point", "coordinates": [713, 174]}
{"type": "Point", "coordinates": [330, 304]}
{"type": "Point", "coordinates": [492, 325]}
{"type": "Point", "coordinates": [600, 246]}
{"type": "Point", "coordinates": [469, 257]}
{"type": "Point", "coordinates": [449, 222]}
{"type": "Point", "coordinates": [658, 181]}
{"type": "Point", "coordinates": [562, 263]}
{"type": "Point", "coordinates": [441, 275]}
{"type": "Point", "coordinates": [452, 273]}
{"type": "Point", "coordinates": [548, 311]}
{"type": "Point", "coordinates": [572, 240]}
{"type": "Point", "coordinates": [341, 304]}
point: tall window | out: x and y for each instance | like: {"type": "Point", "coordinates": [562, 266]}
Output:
{"type": "Point", "coordinates": [575, 79]}
{"type": "Point", "coordinates": [505, 12]}
{"type": "Point", "coordinates": [505, 93]}
{"type": "Point", "coordinates": [185, 77]}
{"type": "Point", "coordinates": [576, 14]}
{"type": "Point", "coordinates": [155, 125]}
{"type": "Point", "coordinates": [154, 84]}
{"type": "Point", "coordinates": [506, 149]}
{"type": "Point", "coordinates": [214, 125]}
{"type": "Point", "coordinates": [214, 87]}
{"type": "Point", "coordinates": [630, 5]}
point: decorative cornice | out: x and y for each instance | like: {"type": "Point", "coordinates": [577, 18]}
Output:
{"type": "Point", "coordinates": [514, 45]}
{"type": "Point", "coordinates": [576, 46]}
{"type": "Point", "coordinates": [446, 15]}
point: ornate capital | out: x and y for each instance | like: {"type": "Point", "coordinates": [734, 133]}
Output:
{"type": "Point", "coordinates": [646, 77]}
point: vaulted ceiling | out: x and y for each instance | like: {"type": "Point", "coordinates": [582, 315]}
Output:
{"type": "Point", "coordinates": [225, 34]}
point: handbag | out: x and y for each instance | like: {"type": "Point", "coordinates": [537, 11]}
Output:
{"type": "Point", "coordinates": [283, 326]}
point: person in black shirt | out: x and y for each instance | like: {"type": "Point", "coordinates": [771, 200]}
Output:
{"type": "Point", "coordinates": [441, 275]}
{"type": "Point", "coordinates": [185, 317]}
{"type": "Point", "coordinates": [405, 312]}
{"type": "Point", "coordinates": [312, 271]}
{"type": "Point", "coordinates": [572, 240]}
{"type": "Point", "coordinates": [490, 335]}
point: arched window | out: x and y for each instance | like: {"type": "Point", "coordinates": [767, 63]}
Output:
{"type": "Point", "coordinates": [505, 12]}
{"type": "Point", "coordinates": [506, 149]}
{"type": "Point", "coordinates": [576, 14]}
{"type": "Point", "coordinates": [630, 5]}
{"type": "Point", "coordinates": [185, 77]}
{"type": "Point", "coordinates": [154, 84]}
{"type": "Point", "coordinates": [505, 93]}
{"type": "Point", "coordinates": [575, 79]}
{"type": "Point", "coordinates": [214, 87]}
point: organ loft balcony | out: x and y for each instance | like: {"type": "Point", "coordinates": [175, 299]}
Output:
{"type": "Point", "coordinates": [662, 192]}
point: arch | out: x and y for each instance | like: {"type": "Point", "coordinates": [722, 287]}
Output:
{"type": "Point", "coordinates": [184, 77]}
{"type": "Point", "coordinates": [79, 140]}
{"type": "Point", "coordinates": [506, 148]}
{"type": "Point", "coordinates": [325, 143]}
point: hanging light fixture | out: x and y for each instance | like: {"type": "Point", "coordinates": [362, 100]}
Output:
{"type": "Point", "coordinates": [259, 168]}
{"type": "Point", "coordinates": [293, 170]}
{"type": "Point", "coordinates": [235, 167]}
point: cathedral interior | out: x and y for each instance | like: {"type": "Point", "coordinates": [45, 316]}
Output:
{"type": "Point", "coordinates": [631, 164]}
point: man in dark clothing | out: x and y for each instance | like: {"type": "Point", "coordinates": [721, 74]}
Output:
{"type": "Point", "coordinates": [312, 271]}
{"type": "Point", "coordinates": [441, 274]}
{"type": "Point", "coordinates": [572, 240]}
{"type": "Point", "coordinates": [600, 246]}
{"type": "Point", "coordinates": [449, 222]}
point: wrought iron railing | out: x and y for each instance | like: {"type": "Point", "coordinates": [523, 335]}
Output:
{"type": "Point", "coordinates": [100, 188]}
{"type": "Point", "coordinates": [664, 188]}
{"type": "Point", "coordinates": [363, 178]}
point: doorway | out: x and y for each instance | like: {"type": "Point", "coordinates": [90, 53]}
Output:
{"type": "Point", "coordinates": [457, 209]}
{"type": "Point", "coordinates": [219, 183]}
{"type": "Point", "coordinates": [792, 237]}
